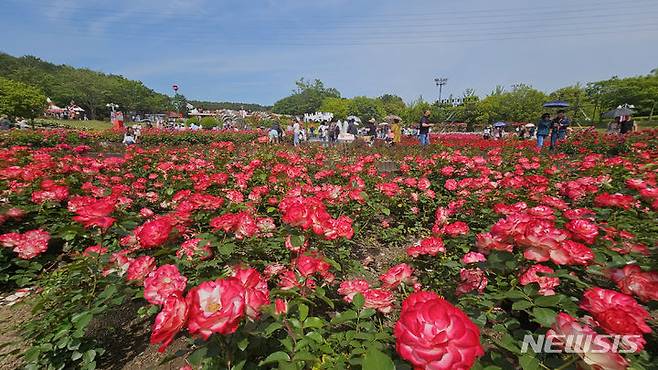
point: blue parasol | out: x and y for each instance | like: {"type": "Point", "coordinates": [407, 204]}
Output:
{"type": "Point", "coordinates": [557, 104]}
{"type": "Point", "coordinates": [500, 124]}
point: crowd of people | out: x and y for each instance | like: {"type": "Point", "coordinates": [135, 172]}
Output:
{"type": "Point", "coordinates": [330, 132]}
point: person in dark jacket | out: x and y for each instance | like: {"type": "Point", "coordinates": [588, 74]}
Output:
{"type": "Point", "coordinates": [543, 129]}
{"type": "Point", "coordinates": [560, 125]}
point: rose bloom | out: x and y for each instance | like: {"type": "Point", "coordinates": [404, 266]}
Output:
{"type": "Point", "coordinates": [169, 321]}
{"type": "Point", "coordinates": [593, 355]}
{"type": "Point", "coordinates": [433, 334]}
{"type": "Point", "coordinates": [296, 249]}
{"type": "Point", "coordinates": [546, 283]}
{"type": "Point", "coordinates": [191, 249]}
{"type": "Point", "coordinates": [472, 279]}
{"type": "Point", "coordinates": [28, 245]}
{"type": "Point", "coordinates": [94, 250]}
{"type": "Point", "coordinates": [615, 312]}
{"type": "Point", "coordinates": [154, 233]}
{"type": "Point", "coordinates": [428, 246]}
{"type": "Point", "coordinates": [349, 288]}
{"type": "Point", "coordinates": [456, 228]}
{"type": "Point", "coordinates": [140, 267]}
{"type": "Point", "coordinates": [256, 292]}
{"type": "Point", "coordinates": [396, 275]}
{"type": "Point", "coordinates": [583, 230]}
{"type": "Point", "coordinates": [280, 307]}
{"type": "Point", "coordinates": [632, 280]}
{"type": "Point", "coordinates": [215, 307]}
{"type": "Point", "coordinates": [379, 299]}
{"type": "Point", "coordinates": [614, 200]}
{"type": "Point", "coordinates": [473, 257]}
{"type": "Point", "coordinates": [163, 282]}
{"type": "Point", "coordinates": [488, 241]}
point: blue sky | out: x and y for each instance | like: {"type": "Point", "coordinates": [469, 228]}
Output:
{"type": "Point", "coordinates": [253, 51]}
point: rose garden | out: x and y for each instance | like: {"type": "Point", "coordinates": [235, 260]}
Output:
{"type": "Point", "coordinates": [224, 252]}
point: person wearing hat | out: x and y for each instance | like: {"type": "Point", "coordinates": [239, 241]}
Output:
{"type": "Point", "coordinates": [372, 128]}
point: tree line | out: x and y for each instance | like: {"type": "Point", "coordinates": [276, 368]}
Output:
{"type": "Point", "coordinates": [520, 103]}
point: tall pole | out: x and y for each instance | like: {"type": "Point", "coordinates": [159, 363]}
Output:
{"type": "Point", "coordinates": [440, 82]}
{"type": "Point", "coordinates": [652, 108]}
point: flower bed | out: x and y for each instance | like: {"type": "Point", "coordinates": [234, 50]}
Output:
{"type": "Point", "coordinates": [248, 255]}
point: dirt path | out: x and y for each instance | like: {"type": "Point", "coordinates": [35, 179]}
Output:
{"type": "Point", "coordinates": [124, 336]}
{"type": "Point", "coordinates": [10, 342]}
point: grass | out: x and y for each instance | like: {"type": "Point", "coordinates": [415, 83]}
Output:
{"type": "Point", "coordinates": [74, 124]}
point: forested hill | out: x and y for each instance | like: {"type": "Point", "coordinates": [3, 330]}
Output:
{"type": "Point", "coordinates": [229, 105]}
{"type": "Point", "coordinates": [92, 90]}
{"type": "Point", "coordinates": [89, 89]}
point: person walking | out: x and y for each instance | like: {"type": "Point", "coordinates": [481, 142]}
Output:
{"type": "Point", "coordinates": [543, 129]}
{"type": "Point", "coordinates": [296, 130]}
{"type": "Point", "coordinates": [559, 128]}
{"type": "Point", "coordinates": [396, 129]}
{"type": "Point", "coordinates": [424, 128]}
{"type": "Point", "coordinates": [627, 125]}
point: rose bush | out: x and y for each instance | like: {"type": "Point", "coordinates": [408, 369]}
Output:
{"type": "Point", "coordinates": [251, 255]}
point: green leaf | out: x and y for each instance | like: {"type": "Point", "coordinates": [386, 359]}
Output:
{"type": "Point", "coordinates": [368, 312]}
{"type": "Point", "coordinates": [544, 316]}
{"type": "Point", "coordinates": [272, 328]}
{"type": "Point", "coordinates": [242, 345]}
{"type": "Point", "coordinates": [226, 248]}
{"type": "Point", "coordinates": [521, 305]}
{"type": "Point", "coordinates": [197, 356]}
{"type": "Point", "coordinates": [278, 356]}
{"type": "Point", "coordinates": [344, 316]}
{"type": "Point", "coordinates": [358, 301]}
{"type": "Point", "coordinates": [81, 320]}
{"type": "Point", "coordinates": [548, 301]}
{"type": "Point", "coordinates": [528, 362]}
{"type": "Point", "coordinates": [376, 360]}
{"type": "Point", "coordinates": [297, 240]}
{"type": "Point", "coordinates": [303, 312]}
{"type": "Point", "coordinates": [89, 356]}
{"type": "Point", "coordinates": [386, 211]}
{"type": "Point", "coordinates": [313, 322]}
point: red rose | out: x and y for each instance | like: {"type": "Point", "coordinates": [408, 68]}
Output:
{"type": "Point", "coordinates": [428, 246]}
{"type": "Point", "coordinates": [583, 230]}
{"type": "Point", "coordinates": [594, 355]}
{"type": "Point", "coordinates": [215, 307]}
{"type": "Point", "coordinates": [473, 257]}
{"type": "Point", "coordinates": [615, 312]}
{"type": "Point", "coordinates": [349, 288]}
{"type": "Point", "coordinates": [472, 279]}
{"type": "Point", "coordinates": [140, 267]}
{"type": "Point", "coordinates": [546, 283]}
{"type": "Point", "coordinates": [396, 275]}
{"type": "Point", "coordinates": [433, 334]}
{"type": "Point", "coordinates": [162, 283]}
{"type": "Point", "coordinates": [256, 292]}
{"type": "Point", "coordinates": [379, 299]}
{"type": "Point", "coordinates": [632, 280]}
{"type": "Point", "coordinates": [280, 307]}
{"type": "Point", "coordinates": [28, 245]}
{"type": "Point", "coordinates": [169, 321]}
{"type": "Point", "coordinates": [154, 233]}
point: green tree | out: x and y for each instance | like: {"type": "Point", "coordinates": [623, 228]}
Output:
{"type": "Point", "coordinates": [306, 98]}
{"type": "Point", "coordinates": [20, 100]}
{"type": "Point", "coordinates": [338, 106]}
{"type": "Point", "coordinates": [393, 104]}
{"type": "Point", "coordinates": [366, 108]}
